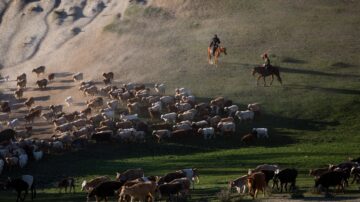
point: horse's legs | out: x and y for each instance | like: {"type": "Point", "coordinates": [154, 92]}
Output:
{"type": "Point", "coordinates": [272, 79]}
{"type": "Point", "coordinates": [264, 81]}
{"type": "Point", "coordinates": [257, 82]}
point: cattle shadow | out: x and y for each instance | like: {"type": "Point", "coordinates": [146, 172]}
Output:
{"type": "Point", "coordinates": [49, 88]}
{"type": "Point", "coordinates": [63, 74]}
{"type": "Point", "coordinates": [342, 65]}
{"type": "Point", "coordinates": [42, 98]}
{"type": "Point", "coordinates": [293, 60]}
{"type": "Point", "coordinates": [326, 90]}
{"type": "Point", "coordinates": [316, 73]}
{"type": "Point", "coordinates": [66, 81]}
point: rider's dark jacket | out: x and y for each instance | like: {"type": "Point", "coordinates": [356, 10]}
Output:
{"type": "Point", "coordinates": [215, 41]}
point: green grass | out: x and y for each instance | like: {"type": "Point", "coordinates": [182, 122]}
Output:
{"type": "Point", "coordinates": [313, 118]}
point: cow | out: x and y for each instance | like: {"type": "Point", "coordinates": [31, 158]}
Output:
{"type": "Point", "coordinates": [256, 181]}
{"type": "Point", "coordinates": [7, 135]}
{"type": "Point", "coordinates": [90, 185]}
{"type": "Point", "coordinates": [331, 178]}
{"type": "Point", "coordinates": [103, 136]}
{"type": "Point", "coordinates": [318, 172]}
{"type": "Point", "coordinates": [285, 176]}
{"type": "Point", "coordinates": [140, 191]}
{"type": "Point", "coordinates": [39, 70]}
{"type": "Point", "coordinates": [240, 184]}
{"type": "Point", "coordinates": [104, 190]}
{"type": "Point", "coordinates": [169, 190]}
{"type": "Point", "coordinates": [65, 183]}
{"type": "Point", "coordinates": [170, 177]}
{"type": "Point", "coordinates": [51, 76]}
{"type": "Point", "coordinates": [191, 174]}
{"type": "Point", "coordinates": [42, 83]}
{"type": "Point", "coordinates": [130, 174]}
{"type": "Point", "coordinates": [24, 183]}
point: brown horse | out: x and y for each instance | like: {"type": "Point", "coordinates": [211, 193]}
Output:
{"type": "Point", "coordinates": [271, 71]}
{"type": "Point", "coordinates": [218, 50]}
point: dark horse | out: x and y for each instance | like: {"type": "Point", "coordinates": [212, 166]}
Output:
{"type": "Point", "coordinates": [271, 71]}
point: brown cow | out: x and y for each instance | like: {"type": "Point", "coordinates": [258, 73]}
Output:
{"type": "Point", "coordinates": [256, 181]}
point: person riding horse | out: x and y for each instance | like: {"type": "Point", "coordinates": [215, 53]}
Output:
{"type": "Point", "coordinates": [266, 59]}
{"type": "Point", "coordinates": [214, 44]}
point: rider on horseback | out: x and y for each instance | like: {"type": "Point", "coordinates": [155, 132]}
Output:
{"type": "Point", "coordinates": [214, 44]}
{"type": "Point", "coordinates": [266, 59]}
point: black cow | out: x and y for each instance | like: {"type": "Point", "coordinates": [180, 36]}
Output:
{"type": "Point", "coordinates": [104, 136]}
{"type": "Point", "coordinates": [22, 184]}
{"type": "Point", "coordinates": [169, 190]}
{"type": "Point", "coordinates": [269, 174]}
{"type": "Point", "coordinates": [332, 178]}
{"type": "Point", "coordinates": [285, 176]}
{"type": "Point", "coordinates": [171, 176]}
{"type": "Point", "coordinates": [104, 190]}
{"type": "Point", "coordinates": [7, 135]}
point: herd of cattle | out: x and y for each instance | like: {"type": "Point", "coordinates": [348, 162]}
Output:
{"type": "Point", "coordinates": [113, 114]}
{"type": "Point", "coordinates": [132, 184]}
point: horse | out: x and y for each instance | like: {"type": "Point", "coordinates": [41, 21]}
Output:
{"type": "Point", "coordinates": [218, 50]}
{"type": "Point", "coordinates": [271, 71]}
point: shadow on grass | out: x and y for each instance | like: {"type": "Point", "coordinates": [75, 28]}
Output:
{"type": "Point", "coordinates": [327, 90]}
{"type": "Point", "coordinates": [316, 73]}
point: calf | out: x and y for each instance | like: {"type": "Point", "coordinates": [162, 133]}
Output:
{"type": "Point", "coordinates": [65, 183]}
{"type": "Point", "coordinates": [256, 182]}
{"type": "Point", "coordinates": [140, 191]}
{"type": "Point", "coordinates": [285, 176]}
{"type": "Point", "coordinates": [51, 76]}
{"type": "Point", "coordinates": [240, 184]}
{"type": "Point", "coordinates": [191, 174]}
{"type": "Point", "coordinates": [248, 138]}
{"type": "Point", "coordinates": [104, 190]}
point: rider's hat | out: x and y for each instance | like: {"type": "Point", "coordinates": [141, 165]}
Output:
{"type": "Point", "coordinates": [264, 55]}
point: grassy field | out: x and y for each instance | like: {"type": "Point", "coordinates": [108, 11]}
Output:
{"type": "Point", "coordinates": [313, 118]}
